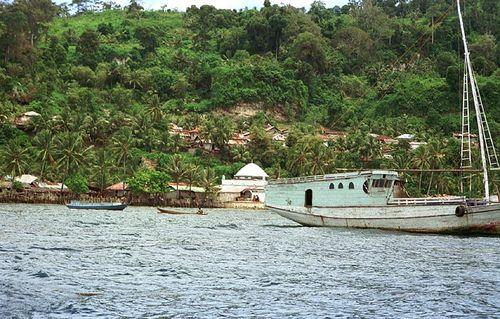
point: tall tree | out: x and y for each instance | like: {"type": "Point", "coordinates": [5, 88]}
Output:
{"type": "Point", "coordinates": [122, 145]}
{"type": "Point", "coordinates": [177, 170]}
{"type": "Point", "coordinates": [38, 14]}
{"type": "Point", "coordinates": [208, 181]}
{"type": "Point", "coordinates": [102, 167]}
{"type": "Point", "coordinates": [14, 158]}
{"type": "Point", "coordinates": [72, 154]}
{"type": "Point", "coordinates": [44, 151]}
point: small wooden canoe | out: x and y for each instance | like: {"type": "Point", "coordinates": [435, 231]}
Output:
{"type": "Point", "coordinates": [176, 212]}
{"type": "Point", "coordinates": [96, 206]}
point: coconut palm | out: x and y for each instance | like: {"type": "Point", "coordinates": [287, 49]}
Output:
{"type": "Point", "coordinates": [208, 181]}
{"type": "Point", "coordinates": [319, 157]}
{"type": "Point", "coordinates": [241, 154]}
{"type": "Point", "coordinates": [435, 149]}
{"type": "Point", "coordinates": [122, 144]}
{"type": "Point", "coordinates": [176, 143]}
{"type": "Point", "coordinates": [71, 153]}
{"type": "Point", "coordinates": [154, 109]}
{"type": "Point", "coordinates": [15, 159]}
{"type": "Point", "coordinates": [44, 151]}
{"type": "Point", "coordinates": [96, 127]}
{"type": "Point", "coordinates": [191, 173]}
{"type": "Point", "coordinates": [370, 149]}
{"type": "Point", "coordinates": [298, 159]}
{"type": "Point", "coordinates": [218, 131]}
{"type": "Point", "coordinates": [421, 161]}
{"type": "Point", "coordinates": [102, 166]}
{"type": "Point", "coordinates": [177, 170]}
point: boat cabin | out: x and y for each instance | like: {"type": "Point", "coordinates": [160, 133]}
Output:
{"type": "Point", "coordinates": [366, 188]}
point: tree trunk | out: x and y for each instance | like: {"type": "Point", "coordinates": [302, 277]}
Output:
{"type": "Point", "coordinates": [432, 30]}
{"type": "Point", "coordinates": [430, 183]}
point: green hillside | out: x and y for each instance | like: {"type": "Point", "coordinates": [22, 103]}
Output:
{"type": "Point", "coordinates": [109, 82]}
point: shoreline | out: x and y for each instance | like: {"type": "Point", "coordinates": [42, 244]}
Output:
{"type": "Point", "coordinates": [148, 200]}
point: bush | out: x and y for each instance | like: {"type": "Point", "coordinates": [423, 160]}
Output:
{"type": "Point", "coordinates": [147, 181]}
{"type": "Point", "coordinates": [17, 185]}
{"type": "Point", "coordinates": [77, 184]}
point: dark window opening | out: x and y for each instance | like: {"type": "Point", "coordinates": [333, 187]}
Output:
{"type": "Point", "coordinates": [365, 187]}
{"type": "Point", "coordinates": [309, 198]}
{"type": "Point", "coordinates": [332, 186]}
{"type": "Point", "coordinates": [351, 185]}
{"type": "Point", "coordinates": [341, 186]}
{"type": "Point", "coordinates": [378, 183]}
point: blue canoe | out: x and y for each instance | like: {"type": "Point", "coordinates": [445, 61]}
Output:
{"type": "Point", "coordinates": [98, 206]}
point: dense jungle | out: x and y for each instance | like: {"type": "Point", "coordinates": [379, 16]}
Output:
{"type": "Point", "coordinates": [109, 88]}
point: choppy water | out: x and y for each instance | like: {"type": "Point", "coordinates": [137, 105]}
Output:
{"type": "Point", "coordinates": [58, 263]}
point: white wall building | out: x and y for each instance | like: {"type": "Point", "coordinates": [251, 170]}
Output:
{"type": "Point", "coordinates": [248, 184]}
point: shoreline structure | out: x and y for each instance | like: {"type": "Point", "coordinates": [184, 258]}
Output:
{"type": "Point", "coordinates": [153, 200]}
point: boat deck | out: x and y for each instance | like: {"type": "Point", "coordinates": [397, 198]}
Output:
{"type": "Point", "coordinates": [427, 201]}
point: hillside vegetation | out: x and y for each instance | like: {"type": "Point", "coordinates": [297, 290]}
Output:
{"type": "Point", "coordinates": [109, 81]}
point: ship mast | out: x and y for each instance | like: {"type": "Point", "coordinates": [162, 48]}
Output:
{"type": "Point", "coordinates": [475, 98]}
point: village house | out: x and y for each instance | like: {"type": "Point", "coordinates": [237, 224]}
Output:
{"type": "Point", "coordinates": [407, 137]}
{"type": "Point", "coordinates": [415, 145]}
{"type": "Point", "coordinates": [384, 139]}
{"type": "Point", "coordinates": [27, 180]}
{"type": "Point", "coordinates": [248, 184]}
{"type": "Point", "coordinates": [119, 189]}
{"type": "Point", "coordinates": [328, 135]}
{"type": "Point", "coordinates": [23, 121]}
{"type": "Point", "coordinates": [473, 137]}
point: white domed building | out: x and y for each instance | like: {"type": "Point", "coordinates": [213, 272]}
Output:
{"type": "Point", "coordinates": [248, 185]}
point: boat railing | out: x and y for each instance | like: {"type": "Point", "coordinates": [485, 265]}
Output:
{"type": "Point", "coordinates": [312, 178]}
{"type": "Point", "coordinates": [427, 201]}
{"type": "Point", "coordinates": [326, 177]}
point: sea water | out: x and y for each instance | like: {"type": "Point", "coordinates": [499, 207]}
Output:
{"type": "Point", "coordinates": [61, 263]}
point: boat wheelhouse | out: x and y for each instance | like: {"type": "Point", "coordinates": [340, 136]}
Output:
{"type": "Point", "coordinates": [365, 188]}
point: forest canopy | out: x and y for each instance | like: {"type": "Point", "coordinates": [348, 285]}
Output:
{"type": "Point", "coordinates": [109, 81]}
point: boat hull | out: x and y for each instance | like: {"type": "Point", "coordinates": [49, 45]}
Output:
{"type": "Point", "coordinates": [175, 212]}
{"type": "Point", "coordinates": [98, 207]}
{"type": "Point", "coordinates": [423, 219]}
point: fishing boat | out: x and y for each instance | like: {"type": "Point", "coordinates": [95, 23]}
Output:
{"type": "Point", "coordinates": [176, 212]}
{"type": "Point", "coordinates": [372, 199]}
{"type": "Point", "coordinates": [96, 205]}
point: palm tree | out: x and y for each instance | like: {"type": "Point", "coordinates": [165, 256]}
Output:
{"type": "Point", "coordinates": [122, 144]}
{"type": "Point", "coordinates": [208, 131]}
{"type": "Point", "coordinates": [421, 161]}
{"type": "Point", "coordinates": [102, 167]}
{"type": "Point", "coordinates": [370, 149]}
{"type": "Point", "coordinates": [176, 143]}
{"type": "Point", "coordinates": [177, 170]}
{"type": "Point", "coordinates": [96, 127]}
{"type": "Point", "coordinates": [44, 151]}
{"type": "Point", "coordinates": [208, 181]}
{"type": "Point", "coordinates": [298, 159]}
{"type": "Point", "coordinates": [435, 150]}
{"type": "Point", "coordinates": [319, 157]}
{"type": "Point", "coordinates": [14, 158]}
{"type": "Point", "coordinates": [154, 110]}
{"type": "Point", "coordinates": [218, 131]}
{"type": "Point", "coordinates": [71, 154]}
{"type": "Point", "coordinates": [241, 154]}
{"type": "Point", "coordinates": [191, 173]}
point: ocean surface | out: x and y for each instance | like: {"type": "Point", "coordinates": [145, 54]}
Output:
{"type": "Point", "coordinates": [57, 263]}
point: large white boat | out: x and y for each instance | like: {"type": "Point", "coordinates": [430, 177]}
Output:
{"type": "Point", "coordinates": [369, 199]}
